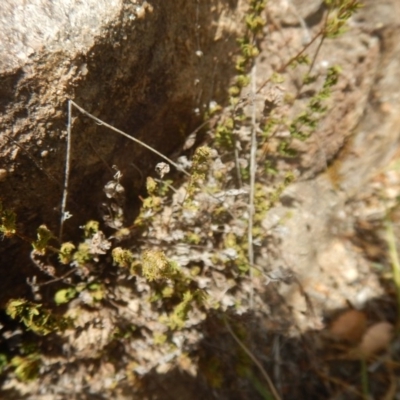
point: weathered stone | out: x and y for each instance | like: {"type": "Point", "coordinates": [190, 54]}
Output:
{"type": "Point", "coordinates": [132, 64]}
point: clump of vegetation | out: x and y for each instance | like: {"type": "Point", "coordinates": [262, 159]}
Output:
{"type": "Point", "coordinates": [198, 241]}
{"type": "Point", "coordinates": [34, 317]}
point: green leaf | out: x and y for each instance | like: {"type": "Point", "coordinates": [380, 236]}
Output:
{"type": "Point", "coordinates": [64, 296]}
{"type": "Point", "coordinates": [43, 237]}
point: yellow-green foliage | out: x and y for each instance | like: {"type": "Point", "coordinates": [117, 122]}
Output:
{"type": "Point", "coordinates": [340, 12]}
{"type": "Point", "coordinates": [193, 238]}
{"type": "Point", "coordinates": [176, 320]}
{"type": "Point", "coordinates": [7, 222]}
{"type": "Point", "coordinates": [200, 166]}
{"type": "Point", "coordinates": [90, 228]}
{"type": "Point", "coordinates": [306, 122]}
{"type": "Point", "coordinates": [43, 237]}
{"type": "Point", "coordinates": [156, 266]}
{"type": "Point", "coordinates": [231, 241]}
{"type": "Point", "coordinates": [122, 257]}
{"type": "Point", "coordinates": [3, 362]}
{"type": "Point", "coordinates": [261, 204]}
{"type": "Point", "coordinates": [274, 197]}
{"type": "Point", "coordinates": [164, 187]}
{"type": "Point", "coordinates": [34, 317]}
{"type": "Point", "coordinates": [95, 290]}
{"type": "Point", "coordinates": [170, 287]}
{"type": "Point", "coordinates": [167, 292]}
{"type": "Point", "coordinates": [159, 338]}
{"type": "Point", "coordinates": [224, 134]}
{"type": "Point", "coordinates": [82, 255]}
{"type": "Point", "coordinates": [27, 367]}
{"type": "Point", "coordinates": [155, 189]}
{"type": "Point", "coordinates": [63, 296]}
{"type": "Point", "coordinates": [151, 205]}
{"type": "Point", "coordinates": [254, 21]}
{"type": "Point", "coordinates": [66, 253]}
{"type": "Point", "coordinates": [151, 186]}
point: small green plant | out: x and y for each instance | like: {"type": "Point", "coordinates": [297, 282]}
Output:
{"type": "Point", "coordinates": [150, 206]}
{"type": "Point", "coordinates": [94, 291]}
{"type": "Point", "coordinates": [26, 367]}
{"type": "Point", "coordinates": [43, 237]}
{"type": "Point", "coordinates": [340, 12]}
{"type": "Point", "coordinates": [197, 243]}
{"type": "Point", "coordinates": [199, 171]}
{"type": "Point", "coordinates": [3, 362]}
{"type": "Point", "coordinates": [65, 295]}
{"type": "Point", "coordinates": [35, 317]}
{"type": "Point", "coordinates": [122, 257]}
{"type": "Point", "coordinates": [7, 222]}
{"type": "Point", "coordinates": [156, 266]}
{"type": "Point", "coordinates": [306, 123]}
{"type": "Point", "coordinates": [66, 253]}
{"type": "Point", "coordinates": [176, 320]}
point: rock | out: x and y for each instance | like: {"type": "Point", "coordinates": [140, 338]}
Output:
{"type": "Point", "coordinates": [132, 64]}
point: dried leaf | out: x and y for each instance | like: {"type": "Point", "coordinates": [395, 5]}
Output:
{"type": "Point", "coordinates": [376, 339]}
{"type": "Point", "coordinates": [349, 326]}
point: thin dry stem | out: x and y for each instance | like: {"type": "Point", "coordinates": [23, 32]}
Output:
{"type": "Point", "coordinates": [286, 64]}
{"type": "Point", "coordinates": [254, 359]}
{"type": "Point", "coordinates": [67, 171]}
{"type": "Point", "coordinates": [237, 165]}
{"type": "Point", "coordinates": [394, 259]}
{"type": "Point", "coordinates": [277, 362]}
{"type": "Point", "coordinates": [100, 122]}
{"type": "Point", "coordinates": [253, 167]}
{"type": "Point", "coordinates": [60, 278]}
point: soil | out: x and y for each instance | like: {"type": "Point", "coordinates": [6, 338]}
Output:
{"type": "Point", "coordinates": [326, 286]}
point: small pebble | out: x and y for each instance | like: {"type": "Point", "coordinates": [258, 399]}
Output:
{"type": "Point", "coordinates": [44, 153]}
